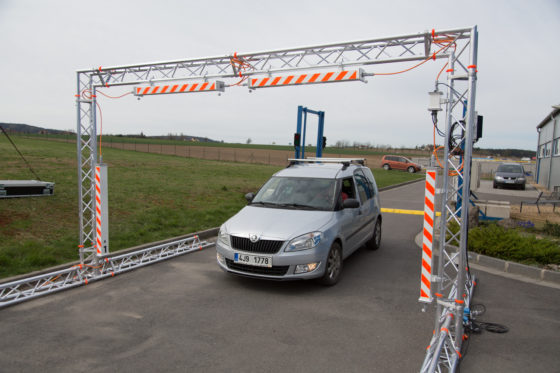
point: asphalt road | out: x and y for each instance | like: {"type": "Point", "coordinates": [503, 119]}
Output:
{"type": "Point", "coordinates": [514, 196]}
{"type": "Point", "coordinates": [185, 314]}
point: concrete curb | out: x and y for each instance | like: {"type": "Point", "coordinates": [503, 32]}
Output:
{"type": "Point", "coordinates": [523, 272]}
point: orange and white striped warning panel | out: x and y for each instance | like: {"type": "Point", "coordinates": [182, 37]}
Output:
{"type": "Point", "coordinates": [98, 229]}
{"type": "Point", "coordinates": [428, 237]}
{"type": "Point", "coordinates": [325, 77]}
{"type": "Point", "coordinates": [163, 89]}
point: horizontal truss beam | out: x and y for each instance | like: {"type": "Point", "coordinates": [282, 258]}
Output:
{"type": "Point", "coordinates": [413, 47]}
{"type": "Point", "coordinates": [81, 274]}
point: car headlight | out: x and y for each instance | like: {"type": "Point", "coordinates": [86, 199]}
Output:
{"type": "Point", "coordinates": [223, 237]}
{"type": "Point", "coordinates": [499, 178]}
{"type": "Point", "coordinates": [520, 179]}
{"type": "Point", "coordinates": [305, 242]}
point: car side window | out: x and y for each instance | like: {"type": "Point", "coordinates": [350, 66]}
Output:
{"type": "Point", "coordinates": [371, 180]}
{"type": "Point", "coordinates": [364, 186]}
{"type": "Point", "coordinates": [347, 188]}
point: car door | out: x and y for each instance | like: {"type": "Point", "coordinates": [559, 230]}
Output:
{"type": "Point", "coordinates": [348, 217]}
{"type": "Point", "coordinates": [393, 162]}
{"type": "Point", "coordinates": [402, 163]}
{"type": "Point", "coordinates": [366, 217]}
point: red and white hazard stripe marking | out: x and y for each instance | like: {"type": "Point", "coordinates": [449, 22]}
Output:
{"type": "Point", "coordinates": [98, 235]}
{"type": "Point", "coordinates": [429, 213]}
{"type": "Point", "coordinates": [179, 88]}
{"type": "Point", "coordinates": [327, 77]}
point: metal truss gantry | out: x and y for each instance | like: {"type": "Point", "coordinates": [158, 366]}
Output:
{"type": "Point", "coordinates": [458, 46]}
{"type": "Point", "coordinates": [232, 67]}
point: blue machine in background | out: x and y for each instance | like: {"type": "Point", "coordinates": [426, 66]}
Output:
{"type": "Point", "coordinates": [299, 136]}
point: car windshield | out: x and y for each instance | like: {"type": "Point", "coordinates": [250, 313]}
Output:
{"type": "Point", "coordinates": [297, 192]}
{"type": "Point", "coordinates": [510, 168]}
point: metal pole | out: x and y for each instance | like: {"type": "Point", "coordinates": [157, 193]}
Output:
{"type": "Point", "coordinates": [445, 195]}
{"type": "Point", "coordinates": [298, 131]}
{"type": "Point", "coordinates": [79, 160]}
{"type": "Point", "coordinates": [303, 133]}
{"type": "Point", "coordinates": [462, 285]}
{"type": "Point", "coordinates": [320, 134]}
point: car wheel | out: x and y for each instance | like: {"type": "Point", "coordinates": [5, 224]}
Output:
{"type": "Point", "coordinates": [375, 241]}
{"type": "Point", "coordinates": [411, 170]}
{"type": "Point", "coordinates": [386, 167]}
{"type": "Point", "coordinates": [333, 266]}
{"type": "Point", "coordinates": [522, 187]}
{"type": "Point", "coordinates": [494, 185]}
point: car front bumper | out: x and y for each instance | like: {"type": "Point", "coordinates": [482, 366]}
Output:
{"type": "Point", "coordinates": [509, 182]}
{"type": "Point", "coordinates": [283, 263]}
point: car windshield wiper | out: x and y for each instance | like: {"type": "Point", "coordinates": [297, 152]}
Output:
{"type": "Point", "coordinates": [298, 205]}
{"type": "Point", "coordinates": [267, 204]}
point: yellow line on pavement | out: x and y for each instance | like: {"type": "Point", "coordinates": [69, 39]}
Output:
{"type": "Point", "coordinates": [407, 212]}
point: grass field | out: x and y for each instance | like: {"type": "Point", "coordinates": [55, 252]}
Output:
{"type": "Point", "coordinates": [108, 139]}
{"type": "Point", "coordinates": [151, 197]}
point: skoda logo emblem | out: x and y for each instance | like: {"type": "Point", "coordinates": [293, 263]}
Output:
{"type": "Point", "coordinates": [253, 238]}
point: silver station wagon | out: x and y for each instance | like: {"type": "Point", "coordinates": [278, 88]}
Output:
{"type": "Point", "coordinates": [303, 222]}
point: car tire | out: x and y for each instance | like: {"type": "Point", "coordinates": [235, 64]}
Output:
{"type": "Point", "coordinates": [411, 170]}
{"type": "Point", "coordinates": [386, 167]}
{"type": "Point", "coordinates": [375, 242]}
{"type": "Point", "coordinates": [522, 187]}
{"type": "Point", "coordinates": [333, 266]}
{"type": "Point", "coordinates": [494, 185]}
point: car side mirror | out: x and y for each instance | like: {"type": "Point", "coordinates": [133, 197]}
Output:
{"type": "Point", "coordinates": [249, 197]}
{"type": "Point", "coordinates": [350, 203]}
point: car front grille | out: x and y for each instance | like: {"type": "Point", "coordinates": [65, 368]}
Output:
{"type": "Point", "coordinates": [261, 246]}
{"type": "Point", "coordinates": [272, 271]}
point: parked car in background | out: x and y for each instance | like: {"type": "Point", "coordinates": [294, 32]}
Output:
{"type": "Point", "coordinates": [398, 162]}
{"type": "Point", "coordinates": [303, 222]}
{"type": "Point", "coordinates": [510, 175]}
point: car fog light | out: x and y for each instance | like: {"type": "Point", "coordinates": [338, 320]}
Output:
{"type": "Point", "coordinates": [220, 258]}
{"type": "Point", "coordinates": [304, 268]}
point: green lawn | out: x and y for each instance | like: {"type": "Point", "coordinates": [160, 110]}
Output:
{"type": "Point", "coordinates": [151, 197]}
{"type": "Point", "coordinates": [109, 139]}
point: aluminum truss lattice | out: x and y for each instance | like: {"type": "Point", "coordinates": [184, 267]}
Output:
{"type": "Point", "coordinates": [82, 274]}
{"type": "Point", "coordinates": [453, 282]}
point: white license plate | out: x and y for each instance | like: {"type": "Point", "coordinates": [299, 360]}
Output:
{"type": "Point", "coordinates": [253, 260]}
{"type": "Point", "coordinates": [510, 181]}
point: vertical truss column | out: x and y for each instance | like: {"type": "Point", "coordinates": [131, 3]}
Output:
{"type": "Point", "coordinates": [454, 284]}
{"type": "Point", "coordinates": [86, 141]}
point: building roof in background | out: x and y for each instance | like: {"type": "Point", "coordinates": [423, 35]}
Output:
{"type": "Point", "coordinates": [553, 113]}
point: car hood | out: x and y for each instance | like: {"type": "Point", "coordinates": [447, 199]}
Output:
{"type": "Point", "coordinates": [278, 224]}
{"type": "Point", "coordinates": [509, 174]}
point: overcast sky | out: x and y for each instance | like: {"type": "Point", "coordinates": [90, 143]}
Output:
{"type": "Point", "coordinates": [43, 43]}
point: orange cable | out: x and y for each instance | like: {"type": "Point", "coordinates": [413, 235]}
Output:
{"type": "Point", "coordinates": [115, 97]}
{"type": "Point", "coordinates": [433, 56]}
{"type": "Point", "coordinates": [444, 66]}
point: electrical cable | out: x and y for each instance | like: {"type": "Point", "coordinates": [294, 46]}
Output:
{"type": "Point", "coordinates": [434, 120]}
{"type": "Point", "coordinates": [472, 326]}
{"type": "Point", "coordinates": [113, 97]}
{"type": "Point", "coordinates": [433, 56]}
{"type": "Point", "coordinates": [100, 129]}
{"type": "Point", "coordinates": [241, 66]}
{"type": "Point", "coordinates": [86, 93]}
{"type": "Point", "coordinates": [21, 155]}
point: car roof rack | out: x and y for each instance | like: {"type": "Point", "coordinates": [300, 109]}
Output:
{"type": "Point", "coordinates": [344, 161]}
